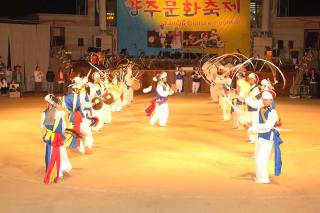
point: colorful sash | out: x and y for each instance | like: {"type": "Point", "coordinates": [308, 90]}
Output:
{"type": "Point", "coordinates": [153, 105]}
{"type": "Point", "coordinates": [52, 158]}
{"type": "Point", "coordinates": [276, 142]}
{"type": "Point", "coordinates": [277, 153]}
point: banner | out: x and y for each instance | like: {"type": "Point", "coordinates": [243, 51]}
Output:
{"type": "Point", "coordinates": [199, 26]}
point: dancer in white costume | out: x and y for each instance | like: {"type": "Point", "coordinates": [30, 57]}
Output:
{"type": "Point", "coordinates": [265, 123]}
{"type": "Point", "coordinates": [226, 98]}
{"type": "Point", "coordinates": [219, 81]}
{"type": "Point", "coordinates": [242, 90]}
{"type": "Point", "coordinates": [116, 106]}
{"type": "Point", "coordinates": [252, 101]}
{"type": "Point", "coordinates": [161, 113]}
{"type": "Point", "coordinates": [86, 125]}
{"type": "Point", "coordinates": [106, 109]}
{"type": "Point", "coordinates": [213, 93]}
{"type": "Point", "coordinates": [97, 89]}
{"type": "Point", "coordinates": [128, 95]}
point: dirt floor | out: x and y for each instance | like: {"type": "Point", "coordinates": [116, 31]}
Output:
{"type": "Point", "coordinates": [196, 164]}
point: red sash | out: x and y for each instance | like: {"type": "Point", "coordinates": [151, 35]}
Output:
{"type": "Point", "coordinates": [153, 104]}
{"type": "Point", "coordinates": [54, 159]}
{"type": "Point", "coordinates": [77, 121]}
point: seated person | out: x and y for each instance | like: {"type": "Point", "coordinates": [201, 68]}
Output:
{"type": "Point", "coordinates": [14, 87]}
{"type": "Point", "coordinates": [3, 86]}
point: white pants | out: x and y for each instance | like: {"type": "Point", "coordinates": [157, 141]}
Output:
{"type": "Point", "coordinates": [127, 98]}
{"type": "Point", "coordinates": [179, 85]}
{"type": "Point", "coordinates": [161, 114]}
{"type": "Point", "coordinates": [220, 96]}
{"type": "Point", "coordinates": [252, 136]}
{"type": "Point", "coordinates": [213, 94]}
{"type": "Point", "coordinates": [106, 111]}
{"type": "Point", "coordinates": [236, 114]}
{"type": "Point", "coordinates": [116, 106]}
{"type": "Point", "coordinates": [65, 165]}
{"type": "Point", "coordinates": [195, 87]}
{"type": "Point", "coordinates": [85, 129]}
{"type": "Point", "coordinates": [131, 93]}
{"type": "Point", "coordinates": [101, 116]}
{"type": "Point", "coordinates": [262, 156]}
{"type": "Point", "coordinates": [225, 109]}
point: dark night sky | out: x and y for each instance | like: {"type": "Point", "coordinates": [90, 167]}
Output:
{"type": "Point", "coordinates": [20, 8]}
{"type": "Point", "coordinates": [303, 7]}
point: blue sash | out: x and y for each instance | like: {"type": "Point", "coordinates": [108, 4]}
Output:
{"type": "Point", "coordinates": [277, 153]}
{"type": "Point", "coordinates": [276, 142]}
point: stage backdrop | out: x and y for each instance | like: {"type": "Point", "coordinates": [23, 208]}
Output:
{"type": "Point", "coordinates": [200, 26]}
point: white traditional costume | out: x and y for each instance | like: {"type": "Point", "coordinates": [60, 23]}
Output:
{"type": "Point", "coordinates": [252, 102]}
{"type": "Point", "coordinates": [265, 122]}
{"type": "Point", "coordinates": [161, 109]}
{"type": "Point", "coordinates": [226, 100]}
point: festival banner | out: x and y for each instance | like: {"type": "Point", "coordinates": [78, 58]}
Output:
{"type": "Point", "coordinates": [199, 26]}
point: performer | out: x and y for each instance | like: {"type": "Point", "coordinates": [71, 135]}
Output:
{"type": "Point", "coordinates": [97, 89]}
{"type": "Point", "coordinates": [211, 73]}
{"type": "Point", "coordinates": [242, 87]}
{"type": "Point", "coordinates": [196, 78]}
{"type": "Point", "coordinates": [160, 103]}
{"type": "Point", "coordinates": [219, 81]}
{"type": "Point", "coordinates": [227, 97]}
{"type": "Point", "coordinates": [128, 95]}
{"type": "Point", "coordinates": [213, 92]}
{"type": "Point", "coordinates": [265, 123]}
{"type": "Point", "coordinates": [72, 102]}
{"type": "Point", "coordinates": [179, 79]}
{"type": "Point", "coordinates": [56, 158]}
{"type": "Point", "coordinates": [266, 85]}
{"type": "Point", "coordinates": [116, 106]}
{"type": "Point", "coordinates": [252, 101]}
{"type": "Point", "coordinates": [88, 120]}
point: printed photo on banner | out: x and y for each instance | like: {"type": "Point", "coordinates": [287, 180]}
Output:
{"type": "Point", "coordinates": [162, 38]}
{"type": "Point", "coordinates": [208, 26]}
{"type": "Point", "coordinates": [202, 39]}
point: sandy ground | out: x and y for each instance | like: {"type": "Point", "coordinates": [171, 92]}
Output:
{"type": "Point", "coordinates": [197, 164]}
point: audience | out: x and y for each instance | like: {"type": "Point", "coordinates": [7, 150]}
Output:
{"type": "Point", "coordinates": [60, 80]}
{"type": "Point", "coordinates": [38, 78]}
{"type": "Point", "coordinates": [50, 79]}
{"type": "Point", "coordinates": [8, 74]}
{"type": "Point", "coordinates": [14, 86]}
{"type": "Point", "coordinates": [17, 75]}
{"type": "Point", "coordinates": [3, 86]}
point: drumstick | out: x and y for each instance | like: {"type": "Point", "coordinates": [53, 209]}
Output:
{"type": "Point", "coordinates": [100, 71]}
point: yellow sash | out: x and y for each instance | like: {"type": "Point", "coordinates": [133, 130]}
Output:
{"type": "Point", "coordinates": [50, 133]}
